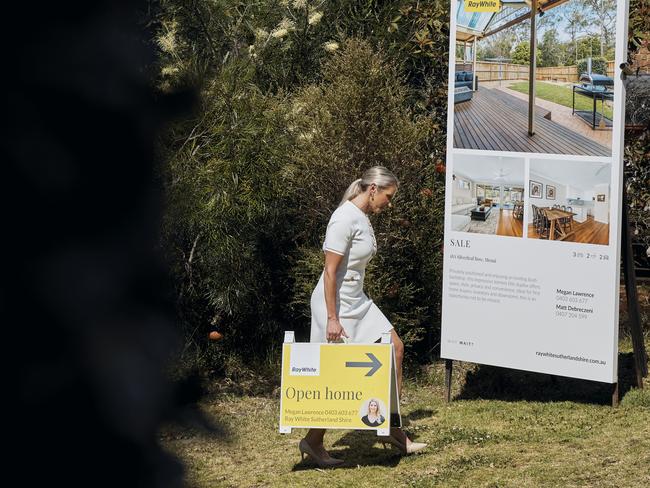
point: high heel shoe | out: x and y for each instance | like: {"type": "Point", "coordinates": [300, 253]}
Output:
{"type": "Point", "coordinates": [305, 448]}
{"type": "Point", "coordinates": [414, 447]}
{"type": "Point", "coordinates": [389, 439]}
{"type": "Point", "coordinates": [411, 448]}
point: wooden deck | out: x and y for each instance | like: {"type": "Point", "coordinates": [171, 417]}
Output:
{"type": "Point", "coordinates": [496, 121]}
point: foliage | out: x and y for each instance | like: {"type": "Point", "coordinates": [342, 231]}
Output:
{"type": "Point", "coordinates": [636, 398]}
{"type": "Point", "coordinates": [521, 53]}
{"type": "Point", "coordinates": [637, 148]}
{"type": "Point", "coordinates": [637, 100]}
{"type": "Point", "coordinates": [551, 50]}
{"type": "Point", "coordinates": [639, 26]}
{"type": "Point", "coordinates": [290, 43]}
{"type": "Point", "coordinates": [224, 231]}
{"type": "Point", "coordinates": [589, 25]}
{"type": "Point", "coordinates": [497, 46]}
{"type": "Point", "coordinates": [297, 98]}
{"type": "Point", "coordinates": [598, 65]}
{"type": "Point", "coordinates": [637, 172]}
{"type": "Point", "coordinates": [341, 126]}
{"type": "Point", "coordinates": [254, 175]}
{"type": "Point", "coordinates": [602, 15]}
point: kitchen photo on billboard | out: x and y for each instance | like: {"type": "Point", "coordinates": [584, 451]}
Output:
{"type": "Point", "coordinates": [570, 201]}
{"type": "Point", "coordinates": [571, 77]}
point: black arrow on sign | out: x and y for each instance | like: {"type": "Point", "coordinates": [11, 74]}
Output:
{"type": "Point", "coordinates": [374, 365]}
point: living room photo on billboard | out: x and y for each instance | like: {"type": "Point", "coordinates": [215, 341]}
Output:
{"type": "Point", "coordinates": [488, 194]}
{"type": "Point", "coordinates": [569, 201]}
{"type": "Point", "coordinates": [557, 100]}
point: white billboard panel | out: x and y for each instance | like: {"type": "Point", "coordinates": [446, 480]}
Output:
{"type": "Point", "coordinates": [532, 207]}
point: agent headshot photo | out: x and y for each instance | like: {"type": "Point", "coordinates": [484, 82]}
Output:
{"type": "Point", "coordinates": [373, 416]}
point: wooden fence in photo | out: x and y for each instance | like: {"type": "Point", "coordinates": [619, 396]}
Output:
{"type": "Point", "coordinates": [558, 73]}
{"type": "Point", "coordinates": [495, 71]}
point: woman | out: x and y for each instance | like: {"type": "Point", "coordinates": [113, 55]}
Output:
{"type": "Point", "coordinates": [339, 307]}
{"type": "Point", "coordinates": [373, 418]}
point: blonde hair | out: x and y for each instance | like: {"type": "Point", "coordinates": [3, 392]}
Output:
{"type": "Point", "coordinates": [380, 176]}
{"type": "Point", "coordinates": [376, 403]}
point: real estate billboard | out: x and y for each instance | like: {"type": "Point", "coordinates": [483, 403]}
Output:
{"type": "Point", "coordinates": [534, 180]}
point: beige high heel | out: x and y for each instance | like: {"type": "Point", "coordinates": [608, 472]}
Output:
{"type": "Point", "coordinates": [305, 449]}
{"type": "Point", "coordinates": [414, 447]}
{"type": "Point", "coordinates": [389, 439]}
{"type": "Point", "coordinates": [411, 448]}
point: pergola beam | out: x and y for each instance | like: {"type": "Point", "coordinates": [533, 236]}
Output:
{"type": "Point", "coordinates": [543, 8]}
{"type": "Point", "coordinates": [510, 23]}
{"type": "Point", "coordinates": [474, 46]}
{"type": "Point", "coordinates": [532, 69]}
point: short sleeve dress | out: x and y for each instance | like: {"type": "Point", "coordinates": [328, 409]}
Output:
{"type": "Point", "coordinates": [349, 234]}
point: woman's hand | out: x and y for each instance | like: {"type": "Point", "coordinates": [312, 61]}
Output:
{"type": "Point", "coordinates": [335, 330]}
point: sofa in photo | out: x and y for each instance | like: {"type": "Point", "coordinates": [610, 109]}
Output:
{"type": "Point", "coordinates": [464, 78]}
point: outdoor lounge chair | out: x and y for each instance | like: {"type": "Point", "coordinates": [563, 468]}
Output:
{"type": "Point", "coordinates": [464, 78]}
{"type": "Point", "coordinates": [462, 94]}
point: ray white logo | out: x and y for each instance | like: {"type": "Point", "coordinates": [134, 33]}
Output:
{"type": "Point", "coordinates": [482, 6]}
{"type": "Point", "coordinates": [483, 3]}
{"type": "Point", "coordinates": [305, 360]}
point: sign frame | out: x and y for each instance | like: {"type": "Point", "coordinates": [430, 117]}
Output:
{"type": "Point", "coordinates": [615, 209]}
{"type": "Point", "coordinates": [393, 419]}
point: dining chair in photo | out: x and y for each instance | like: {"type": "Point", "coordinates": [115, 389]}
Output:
{"type": "Point", "coordinates": [567, 222]}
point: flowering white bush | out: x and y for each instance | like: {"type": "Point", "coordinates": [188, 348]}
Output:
{"type": "Point", "coordinates": [331, 46]}
{"type": "Point", "coordinates": [315, 18]}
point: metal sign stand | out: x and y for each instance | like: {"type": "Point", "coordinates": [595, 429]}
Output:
{"type": "Point", "coordinates": [634, 314]}
{"type": "Point", "coordinates": [632, 298]}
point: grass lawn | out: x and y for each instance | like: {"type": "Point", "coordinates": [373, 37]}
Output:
{"type": "Point", "coordinates": [504, 428]}
{"type": "Point", "coordinates": [562, 95]}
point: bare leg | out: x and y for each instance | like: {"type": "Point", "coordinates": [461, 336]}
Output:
{"type": "Point", "coordinates": [399, 357]}
{"type": "Point", "coordinates": [314, 438]}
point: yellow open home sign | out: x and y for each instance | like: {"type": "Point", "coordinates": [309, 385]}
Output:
{"type": "Point", "coordinates": [337, 386]}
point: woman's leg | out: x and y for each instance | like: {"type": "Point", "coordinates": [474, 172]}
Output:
{"type": "Point", "coordinates": [314, 438]}
{"type": "Point", "coordinates": [399, 357]}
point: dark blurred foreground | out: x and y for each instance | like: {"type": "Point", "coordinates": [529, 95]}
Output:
{"type": "Point", "coordinates": [89, 329]}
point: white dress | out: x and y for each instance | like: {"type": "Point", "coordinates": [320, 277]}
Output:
{"type": "Point", "coordinates": [349, 234]}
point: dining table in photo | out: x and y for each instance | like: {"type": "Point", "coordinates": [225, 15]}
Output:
{"type": "Point", "coordinates": [554, 215]}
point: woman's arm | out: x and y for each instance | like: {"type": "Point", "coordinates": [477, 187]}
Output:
{"type": "Point", "coordinates": [334, 328]}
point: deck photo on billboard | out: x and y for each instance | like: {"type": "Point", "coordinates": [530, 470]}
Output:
{"type": "Point", "coordinates": [533, 186]}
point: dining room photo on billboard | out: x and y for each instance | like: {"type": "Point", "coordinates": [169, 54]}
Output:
{"type": "Point", "coordinates": [575, 206]}
{"type": "Point", "coordinates": [557, 98]}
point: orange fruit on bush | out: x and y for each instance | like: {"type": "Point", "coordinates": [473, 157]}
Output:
{"type": "Point", "coordinates": [215, 335]}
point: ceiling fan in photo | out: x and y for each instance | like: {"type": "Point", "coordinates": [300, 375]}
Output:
{"type": "Point", "coordinates": [599, 170]}
{"type": "Point", "coordinates": [501, 174]}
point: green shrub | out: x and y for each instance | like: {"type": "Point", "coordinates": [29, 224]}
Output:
{"type": "Point", "coordinates": [358, 117]}
{"type": "Point", "coordinates": [226, 226]}
{"type": "Point", "coordinates": [252, 181]}
{"type": "Point", "coordinates": [248, 194]}
{"type": "Point", "coordinates": [636, 398]}
{"type": "Point", "coordinates": [598, 65]}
